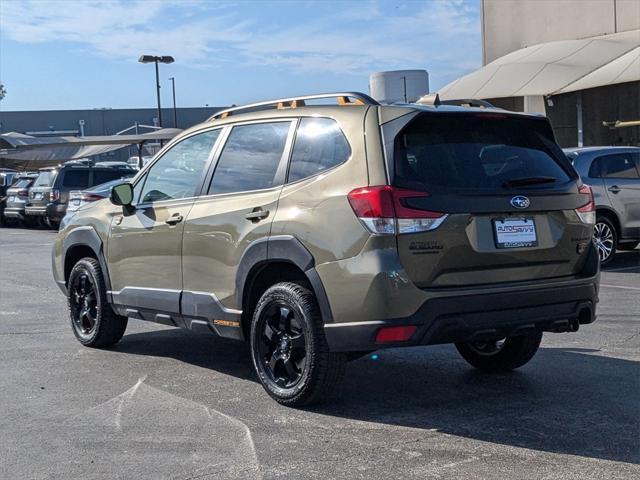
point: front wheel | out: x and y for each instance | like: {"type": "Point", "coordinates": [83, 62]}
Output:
{"type": "Point", "coordinates": [93, 321]}
{"type": "Point", "coordinates": [289, 349]}
{"type": "Point", "coordinates": [501, 355]}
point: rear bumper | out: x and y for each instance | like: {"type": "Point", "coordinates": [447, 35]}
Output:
{"type": "Point", "coordinates": [486, 314]}
{"type": "Point", "coordinates": [14, 212]}
{"type": "Point", "coordinates": [55, 211]}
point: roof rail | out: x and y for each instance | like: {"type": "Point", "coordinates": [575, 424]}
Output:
{"type": "Point", "coordinates": [342, 98]}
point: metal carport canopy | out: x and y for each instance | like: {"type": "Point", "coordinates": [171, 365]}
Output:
{"type": "Point", "coordinates": [554, 67]}
{"type": "Point", "coordinates": [24, 151]}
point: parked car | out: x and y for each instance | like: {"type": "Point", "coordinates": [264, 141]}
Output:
{"type": "Point", "coordinates": [6, 179]}
{"type": "Point", "coordinates": [18, 196]}
{"type": "Point", "coordinates": [318, 233]}
{"type": "Point", "coordinates": [49, 197]}
{"type": "Point", "coordinates": [79, 198]}
{"type": "Point", "coordinates": [614, 176]}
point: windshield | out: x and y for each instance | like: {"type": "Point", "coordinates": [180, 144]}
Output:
{"type": "Point", "coordinates": [46, 178]}
{"type": "Point", "coordinates": [22, 183]}
{"type": "Point", "coordinates": [477, 152]}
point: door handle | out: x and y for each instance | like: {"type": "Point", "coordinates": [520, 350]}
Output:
{"type": "Point", "coordinates": [173, 219]}
{"type": "Point", "coordinates": [614, 189]}
{"type": "Point", "coordinates": [257, 214]}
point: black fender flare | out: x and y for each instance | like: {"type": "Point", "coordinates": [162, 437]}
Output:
{"type": "Point", "coordinates": [87, 237]}
{"type": "Point", "coordinates": [282, 248]}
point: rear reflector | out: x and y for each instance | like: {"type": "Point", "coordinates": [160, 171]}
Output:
{"type": "Point", "coordinates": [383, 209]}
{"type": "Point", "coordinates": [395, 334]}
{"type": "Point", "coordinates": [587, 212]}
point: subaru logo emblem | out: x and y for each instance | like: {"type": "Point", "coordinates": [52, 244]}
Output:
{"type": "Point", "coordinates": [520, 201]}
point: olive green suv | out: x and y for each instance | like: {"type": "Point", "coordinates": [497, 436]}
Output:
{"type": "Point", "coordinates": [320, 232]}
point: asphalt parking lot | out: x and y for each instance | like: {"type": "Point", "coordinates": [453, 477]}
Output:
{"type": "Point", "coordinates": [167, 403]}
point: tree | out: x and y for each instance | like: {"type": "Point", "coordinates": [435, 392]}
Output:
{"type": "Point", "coordinates": [3, 91]}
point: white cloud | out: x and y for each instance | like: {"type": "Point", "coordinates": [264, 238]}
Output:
{"type": "Point", "coordinates": [206, 34]}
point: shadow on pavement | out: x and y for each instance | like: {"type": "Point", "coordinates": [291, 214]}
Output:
{"type": "Point", "coordinates": [567, 401]}
{"type": "Point", "coordinates": [624, 259]}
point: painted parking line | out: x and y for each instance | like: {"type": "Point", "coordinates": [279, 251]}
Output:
{"type": "Point", "coordinates": [619, 286]}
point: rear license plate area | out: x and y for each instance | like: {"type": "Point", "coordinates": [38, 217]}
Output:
{"type": "Point", "coordinates": [515, 232]}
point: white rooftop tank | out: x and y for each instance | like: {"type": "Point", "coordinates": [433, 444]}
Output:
{"type": "Point", "coordinates": [399, 86]}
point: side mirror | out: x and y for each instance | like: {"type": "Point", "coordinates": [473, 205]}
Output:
{"type": "Point", "coordinates": [122, 194]}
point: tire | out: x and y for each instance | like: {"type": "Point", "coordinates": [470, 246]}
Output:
{"type": "Point", "coordinates": [513, 353]}
{"type": "Point", "coordinates": [628, 246]}
{"type": "Point", "coordinates": [606, 239]}
{"type": "Point", "coordinates": [289, 348]}
{"type": "Point", "coordinates": [93, 321]}
{"type": "Point", "coordinates": [53, 225]}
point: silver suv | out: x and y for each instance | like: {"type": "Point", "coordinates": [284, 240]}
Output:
{"type": "Point", "coordinates": [614, 176]}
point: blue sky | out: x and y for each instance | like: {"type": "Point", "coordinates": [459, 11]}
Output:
{"type": "Point", "coordinates": [69, 54]}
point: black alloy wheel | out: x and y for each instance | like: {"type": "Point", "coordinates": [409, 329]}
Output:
{"type": "Point", "coordinates": [282, 345]}
{"type": "Point", "coordinates": [289, 348]}
{"type": "Point", "coordinates": [94, 322]}
{"type": "Point", "coordinates": [83, 304]}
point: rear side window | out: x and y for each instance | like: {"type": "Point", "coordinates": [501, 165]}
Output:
{"type": "Point", "coordinates": [75, 178]}
{"type": "Point", "coordinates": [476, 152]}
{"type": "Point", "coordinates": [101, 176]}
{"type": "Point", "coordinates": [319, 145]}
{"type": "Point", "coordinates": [46, 178]}
{"type": "Point", "coordinates": [250, 158]}
{"type": "Point", "coordinates": [619, 165]}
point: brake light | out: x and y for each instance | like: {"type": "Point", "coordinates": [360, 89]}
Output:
{"type": "Point", "coordinates": [23, 193]}
{"type": "Point", "coordinates": [395, 334]}
{"type": "Point", "coordinates": [587, 212]}
{"type": "Point", "coordinates": [383, 209]}
{"type": "Point", "coordinates": [91, 197]}
{"type": "Point", "coordinates": [54, 195]}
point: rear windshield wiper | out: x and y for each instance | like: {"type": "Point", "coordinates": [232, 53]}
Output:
{"type": "Point", "coordinates": [523, 181]}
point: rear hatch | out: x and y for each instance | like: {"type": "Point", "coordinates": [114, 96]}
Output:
{"type": "Point", "coordinates": [18, 194]}
{"type": "Point", "coordinates": [40, 192]}
{"type": "Point", "coordinates": [500, 197]}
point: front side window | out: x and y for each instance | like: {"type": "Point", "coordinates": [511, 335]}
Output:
{"type": "Point", "coordinates": [319, 145]}
{"type": "Point", "coordinates": [178, 172]}
{"type": "Point", "coordinates": [250, 158]}
{"type": "Point", "coordinates": [75, 179]}
{"type": "Point", "coordinates": [620, 165]}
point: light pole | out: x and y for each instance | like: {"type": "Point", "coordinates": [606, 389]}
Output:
{"type": "Point", "coordinates": [155, 59]}
{"type": "Point", "coordinates": [175, 112]}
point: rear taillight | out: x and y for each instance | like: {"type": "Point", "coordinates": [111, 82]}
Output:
{"type": "Point", "coordinates": [54, 195]}
{"type": "Point", "coordinates": [383, 209]}
{"type": "Point", "coordinates": [587, 212]}
{"type": "Point", "coordinates": [23, 193]}
{"type": "Point", "coordinates": [91, 197]}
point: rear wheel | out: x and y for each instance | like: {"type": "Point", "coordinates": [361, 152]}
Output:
{"type": "Point", "coordinates": [605, 238]}
{"type": "Point", "coordinates": [93, 321]}
{"type": "Point", "coordinates": [501, 355]}
{"type": "Point", "coordinates": [289, 349]}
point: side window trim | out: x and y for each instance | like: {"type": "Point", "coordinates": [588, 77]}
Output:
{"type": "Point", "coordinates": [281, 171]}
{"type": "Point", "coordinates": [198, 190]}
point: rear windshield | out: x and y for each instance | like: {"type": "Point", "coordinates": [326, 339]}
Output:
{"type": "Point", "coordinates": [46, 178]}
{"type": "Point", "coordinates": [477, 152]}
{"type": "Point", "coordinates": [22, 183]}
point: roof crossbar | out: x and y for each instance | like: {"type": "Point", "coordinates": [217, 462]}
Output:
{"type": "Point", "coordinates": [342, 98]}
